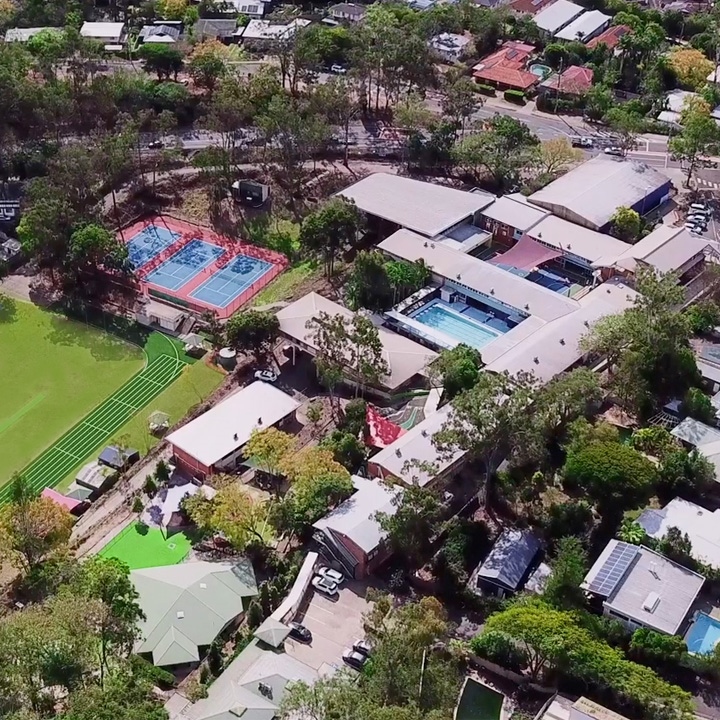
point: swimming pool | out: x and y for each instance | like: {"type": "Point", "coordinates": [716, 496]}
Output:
{"type": "Point", "coordinates": [703, 635]}
{"type": "Point", "coordinates": [450, 322]}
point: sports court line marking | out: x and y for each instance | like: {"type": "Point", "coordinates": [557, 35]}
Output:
{"type": "Point", "coordinates": [132, 407]}
{"type": "Point", "coordinates": [69, 454]}
{"type": "Point", "coordinates": [94, 427]}
{"type": "Point", "coordinates": [227, 298]}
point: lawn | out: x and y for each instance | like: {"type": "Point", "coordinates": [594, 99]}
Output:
{"type": "Point", "coordinates": [142, 547]}
{"type": "Point", "coordinates": [54, 371]}
{"type": "Point", "coordinates": [285, 285]}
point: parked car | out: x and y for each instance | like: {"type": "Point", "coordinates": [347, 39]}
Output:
{"type": "Point", "coordinates": [338, 69]}
{"type": "Point", "coordinates": [354, 659]}
{"type": "Point", "coordinates": [697, 219]}
{"type": "Point", "coordinates": [700, 207]}
{"type": "Point", "coordinates": [300, 633]}
{"type": "Point", "coordinates": [325, 586]}
{"type": "Point", "coordinates": [332, 575]}
{"type": "Point", "coordinates": [583, 142]}
{"type": "Point", "coordinates": [363, 647]}
{"type": "Point", "coordinates": [612, 150]}
{"type": "Point", "coordinates": [155, 145]}
{"type": "Point", "coordinates": [266, 376]}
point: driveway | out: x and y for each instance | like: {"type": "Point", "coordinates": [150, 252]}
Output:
{"type": "Point", "coordinates": [334, 624]}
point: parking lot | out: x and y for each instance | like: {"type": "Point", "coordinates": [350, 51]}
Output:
{"type": "Point", "coordinates": [334, 624]}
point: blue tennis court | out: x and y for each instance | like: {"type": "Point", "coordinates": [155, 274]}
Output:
{"type": "Point", "coordinates": [184, 264]}
{"type": "Point", "coordinates": [232, 280]}
{"type": "Point", "coordinates": [148, 243]}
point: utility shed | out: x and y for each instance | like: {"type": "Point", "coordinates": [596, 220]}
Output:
{"type": "Point", "coordinates": [508, 564]}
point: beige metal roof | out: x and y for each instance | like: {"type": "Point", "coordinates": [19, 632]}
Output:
{"type": "Point", "coordinates": [227, 426]}
{"type": "Point", "coordinates": [573, 239]}
{"type": "Point", "coordinates": [482, 277]}
{"type": "Point", "coordinates": [404, 357]}
{"type": "Point", "coordinates": [555, 347]}
{"type": "Point", "coordinates": [425, 207]}
{"type": "Point", "coordinates": [594, 190]}
{"type": "Point", "coordinates": [417, 445]}
{"type": "Point", "coordinates": [519, 215]}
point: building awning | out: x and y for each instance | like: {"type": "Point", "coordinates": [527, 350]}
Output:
{"type": "Point", "coordinates": [526, 254]}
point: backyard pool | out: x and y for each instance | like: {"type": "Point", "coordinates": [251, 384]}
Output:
{"type": "Point", "coordinates": [479, 702]}
{"type": "Point", "coordinates": [542, 71]}
{"type": "Point", "coordinates": [703, 635]}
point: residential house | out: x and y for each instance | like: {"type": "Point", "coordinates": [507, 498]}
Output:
{"type": "Point", "coordinates": [214, 441]}
{"type": "Point", "coordinates": [187, 606]}
{"type": "Point", "coordinates": [117, 458]}
{"type": "Point", "coordinates": [574, 81]}
{"type": "Point", "coordinates": [528, 7]}
{"type": "Point", "coordinates": [252, 686]}
{"type": "Point", "coordinates": [406, 359]}
{"type": "Point", "coordinates": [248, 8]}
{"type": "Point", "coordinates": [610, 37]}
{"type": "Point", "coordinates": [561, 708]}
{"type": "Point", "coordinates": [216, 29]}
{"type": "Point", "coordinates": [505, 68]}
{"type": "Point", "coordinates": [349, 12]}
{"type": "Point", "coordinates": [700, 525]}
{"type": "Point", "coordinates": [508, 564]}
{"type": "Point", "coordinates": [584, 27]}
{"type": "Point", "coordinates": [110, 33]}
{"type": "Point", "coordinates": [675, 102]}
{"type": "Point", "coordinates": [556, 16]}
{"type": "Point", "coordinates": [22, 35]}
{"type": "Point", "coordinates": [450, 47]}
{"type": "Point", "coordinates": [351, 532]}
{"type": "Point", "coordinates": [263, 33]}
{"type": "Point", "coordinates": [589, 194]}
{"type": "Point", "coordinates": [163, 34]}
{"type": "Point", "coordinates": [702, 437]}
{"type": "Point", "coordinates": [642, 588]}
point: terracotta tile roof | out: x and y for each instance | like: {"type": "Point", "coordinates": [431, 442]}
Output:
{"type": "Point", "coordinates": [529, 7]}
{"type": "Point", "coordinates": [610, 37]}
{"type": "Point", "coordinates": [520, 79]}
{"type": "Point", "coordinates": [575, 80]}
{"type": "Point", "coordinates": [507, 66]}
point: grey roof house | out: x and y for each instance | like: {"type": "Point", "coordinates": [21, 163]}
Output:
{"type": "Point", "coordinates": [642, 588]}
{"type": "Point", "coordinates": [216, 29]}
{"type": "Point", "coordinates": [352, 12]}
{"type": "Point", "coordinates": [508, 563]}
{"type": "Point", "coordinates": [159, 34]}
{"type": "Point", "coordinates": [251, 687]}
{"type": "Point", "coordinates": [187, 606]}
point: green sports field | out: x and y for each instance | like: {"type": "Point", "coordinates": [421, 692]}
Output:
{"type": "Point", "coordinates": [69, 388]}
{"type": "Point", "coordinates": [52, 372]}
{"type": "Point", "coordinates": [141, 547]}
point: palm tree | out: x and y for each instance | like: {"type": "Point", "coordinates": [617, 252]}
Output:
{"type": "Point", "coordinates": [631, 532]}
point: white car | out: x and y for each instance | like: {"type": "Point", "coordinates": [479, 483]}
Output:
{"type": "Point", "coordinates": [332, 575]}
{"type": "Point", "coordinates": [614, 151]}
{"type": "Point", "coordinates": [266, 376]}
{"type": "Point", "coordinates": [338, 70]}
{"type": "Point", "coordinates": [697, 219]}
{"type": "Point", "coordinates": [363, 647]}
{"type": "Point", "coordinates": [325, 586]}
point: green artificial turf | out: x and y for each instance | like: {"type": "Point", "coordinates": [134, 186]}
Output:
{"type": "Point", "coordinates": [141, 547]}
{"type": "Point", "coordinates": [53, 371]}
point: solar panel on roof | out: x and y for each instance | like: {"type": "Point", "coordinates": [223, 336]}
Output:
{"type": "Point", "coordinates": [510, 54]}
{"type": "Point", "coordinates": [613, 569]}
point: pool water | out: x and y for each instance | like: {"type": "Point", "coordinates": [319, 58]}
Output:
{"type": "Point", "coordinates": [452, 323]}
{"type": "Point", "coordinates": [542, 71]}
{"type": "Point", "coordinates": [703, 635]}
